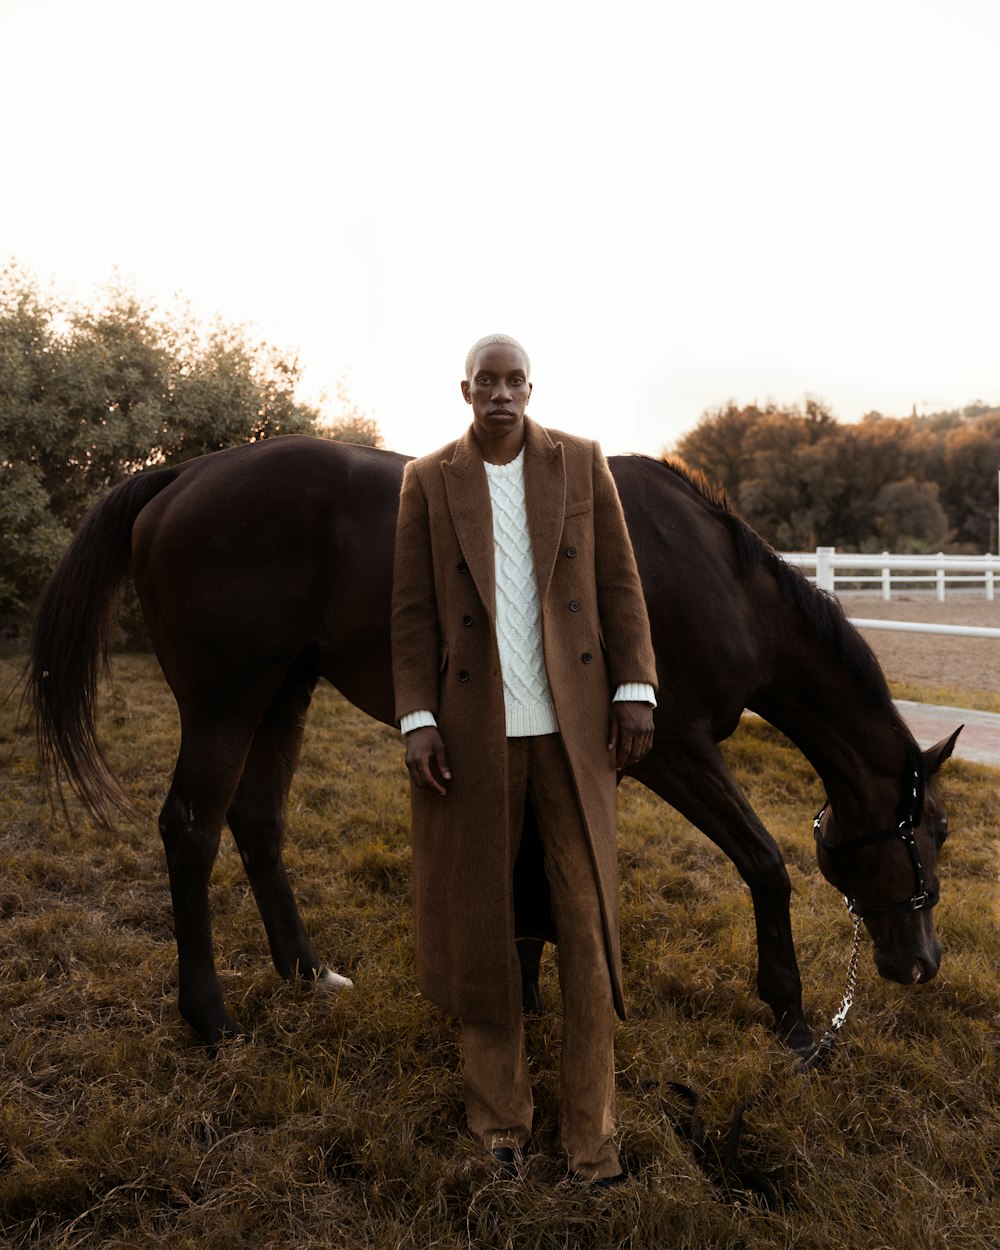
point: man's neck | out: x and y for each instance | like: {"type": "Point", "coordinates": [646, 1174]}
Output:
{"type": "Point", "coordinates": [500, 450]}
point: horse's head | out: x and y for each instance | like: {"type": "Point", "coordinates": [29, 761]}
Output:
{"type": "Point", "coordinates": [889, 874]}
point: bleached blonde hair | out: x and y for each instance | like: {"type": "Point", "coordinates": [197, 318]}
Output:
{"type": "Point", "coordinates": [488, 340]}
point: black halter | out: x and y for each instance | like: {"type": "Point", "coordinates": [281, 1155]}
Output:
{"type": "Point", "coordinates": [911, 809]}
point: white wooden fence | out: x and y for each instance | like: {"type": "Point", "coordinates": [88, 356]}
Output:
{"type": "Point", "coordinates": [940, 573]}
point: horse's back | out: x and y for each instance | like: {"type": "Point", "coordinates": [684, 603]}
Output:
{"type": "Point", "coordinates": [270, 551]}
{"type": "Point", "coordinates": [278, 482]}
{"type": "Point", "coordinates": [262, 553]}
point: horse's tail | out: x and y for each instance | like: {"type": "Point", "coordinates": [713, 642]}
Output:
{"type": "Point", "coordinates": [70, 641]}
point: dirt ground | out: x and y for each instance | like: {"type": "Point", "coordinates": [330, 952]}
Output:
{"type": "Point", "coordinates": [933, 659]}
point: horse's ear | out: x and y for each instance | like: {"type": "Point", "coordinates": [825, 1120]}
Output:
{"type": "Point", "coordinates": [936, 755]}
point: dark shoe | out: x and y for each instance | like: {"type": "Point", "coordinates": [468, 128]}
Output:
{"type": "Point", "coordinates": [508, 1160]}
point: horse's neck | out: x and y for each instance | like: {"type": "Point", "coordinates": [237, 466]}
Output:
{"type": "Point", "coordinates": [851, 738]}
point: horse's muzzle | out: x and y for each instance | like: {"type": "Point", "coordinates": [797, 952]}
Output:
{"type": "Point", "coordinates": [909, 963]}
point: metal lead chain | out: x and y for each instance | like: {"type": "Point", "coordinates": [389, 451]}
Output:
{"type": "Point", "coordinates": [825, 1044]}
{"type": "Point", "coordinates": [852, 979]}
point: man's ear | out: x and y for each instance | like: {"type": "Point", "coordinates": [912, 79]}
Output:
{"type": "Point", "coordinates": [465, 390]}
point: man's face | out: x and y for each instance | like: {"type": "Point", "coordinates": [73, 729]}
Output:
{"type": "Point", "coordinates": [498, 391]}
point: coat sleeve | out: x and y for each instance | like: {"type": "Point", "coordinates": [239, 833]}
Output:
{"type": "Point", "coordinates": [415, 631]}
{"type": "Point", "coordinates": [621, 603]}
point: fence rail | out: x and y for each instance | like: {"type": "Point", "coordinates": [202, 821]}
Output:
{"type": "Point", "coordinates": [830, 567]}
{"type": "Point", "coordinates": [838, 571]}
{"type": "Point", "coordinates": [927, 627]}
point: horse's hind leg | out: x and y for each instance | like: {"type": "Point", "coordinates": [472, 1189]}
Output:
{"type": "Point", "coordinates": [208, 768]}
{"type": "Point", "coordinates": [257, 819]}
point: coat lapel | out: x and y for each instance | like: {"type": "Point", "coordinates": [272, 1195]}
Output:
{"type": "Point", "coordinates": [545, 494]}
{"type": "Point", "coordinates": [472, 515]}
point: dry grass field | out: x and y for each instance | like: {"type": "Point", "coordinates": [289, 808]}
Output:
{"type": "Point", "coordinates": [339, 1123]}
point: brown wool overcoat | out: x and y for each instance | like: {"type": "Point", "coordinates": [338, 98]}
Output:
{"type": "Point", "coordinates": [445, 659]}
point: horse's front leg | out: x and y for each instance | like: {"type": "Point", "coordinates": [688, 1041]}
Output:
{"type": "Point", "coordinates": [778, 981]}
{"type": "Point", "coordinates": [692, 776]}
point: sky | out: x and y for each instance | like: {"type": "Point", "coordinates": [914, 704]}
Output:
{"type": "Point", "coordinates": [671, 205]}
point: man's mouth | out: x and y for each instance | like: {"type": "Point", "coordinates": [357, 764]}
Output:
{"type": "Point", "coordinates": [500, 412]}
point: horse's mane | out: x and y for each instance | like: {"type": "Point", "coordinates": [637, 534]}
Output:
{"type": "Point", "coordinates": [821, 610]}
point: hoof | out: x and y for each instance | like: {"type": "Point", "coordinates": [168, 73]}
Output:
{"type": "Point", "coordinates": [798, 1038]}
{"type": "Point", "coordinates": [221, 1027]}
{"type": "Point", "coordinates": [332, 982]}
{"type": "Point", "coordinates": [802, 1048]}
{"type": "Point", "coordinates": [817, 1058]}
{"type": "Point", "coordinates": [228, 1037]}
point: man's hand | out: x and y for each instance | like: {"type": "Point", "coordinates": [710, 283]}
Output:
{"type": "Point", "coordinates": [426, 760]}
{"type": "Point", "coordinates": [630, 732]}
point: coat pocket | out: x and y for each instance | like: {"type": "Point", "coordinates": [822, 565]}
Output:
{"type": "Point", "coordinates": [577, 508]}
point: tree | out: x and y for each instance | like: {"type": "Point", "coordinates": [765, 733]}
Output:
{"type": "Point", "coordinates": [352, 424]}
{"type": "Point", "coordinates": [360, 429]}
{"type": "Point", "coordinates": [908, 518]}
{"type": "Point", "coordinates": [30, 430]}
{"type": "Point", "coordinates": [969, 485]}
{"type": "Point", "coordinates": [802, 479]}
{"type": "Point", "coordinates": [91, 395]}
{"type": "Point", "coordinates": [761, 456]}
{"type": "Point", "coordinates": [719, 445]}
{"type": "Point", "coordinates": [32, 538]}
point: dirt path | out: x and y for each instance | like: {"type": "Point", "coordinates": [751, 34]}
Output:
{"type": "Point", "coordinates": [932, 659]}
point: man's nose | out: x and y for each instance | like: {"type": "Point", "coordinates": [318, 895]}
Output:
{"type": "Point", "coordinates": [501, 391]}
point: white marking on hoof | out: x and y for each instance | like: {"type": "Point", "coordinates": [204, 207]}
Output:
{"type": "Point", "coordinates": [333, 982]}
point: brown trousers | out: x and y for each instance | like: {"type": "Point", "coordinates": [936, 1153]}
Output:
{"type": "Point", "coordinates": [497, 1091]}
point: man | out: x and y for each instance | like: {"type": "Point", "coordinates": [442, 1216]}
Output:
{"type": "Point", "coordinates": [523, 671]}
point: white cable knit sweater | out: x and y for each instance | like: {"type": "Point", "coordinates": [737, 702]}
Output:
{"type": "Point", "coordinates": [527, 698]}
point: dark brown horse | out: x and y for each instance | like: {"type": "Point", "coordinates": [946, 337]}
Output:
{"type": "Point", "coordinates": [263, 568]}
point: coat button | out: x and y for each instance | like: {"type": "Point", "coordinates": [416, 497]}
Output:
{"type": "Point", "coordinates": [574, 605]}
{"type": "Point", "coordinates": [466, 621]}
{"type": "Point", "coordinates": [571, 552]}
{"type": "Point", "coordinates": [586, 657]}
{"type": "Point", "coordinates": [463, 675]}
{"type": "Point", "coordinates": [462, 567]}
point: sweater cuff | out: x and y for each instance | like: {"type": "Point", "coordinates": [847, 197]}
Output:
{"type": "Point", "coordinates": [416, 720]}
{"type": "Point", "coordinates": [635, 692]}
